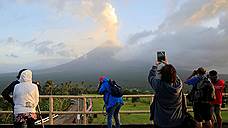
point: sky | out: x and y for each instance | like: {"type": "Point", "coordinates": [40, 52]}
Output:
{"type": "Point", "coordinates": [45, 33]}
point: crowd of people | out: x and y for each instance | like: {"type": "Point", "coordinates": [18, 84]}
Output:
{"type": "Point", "coordinates": [169, 106]}
{"type": "Point", "coordinates": [168, 109]}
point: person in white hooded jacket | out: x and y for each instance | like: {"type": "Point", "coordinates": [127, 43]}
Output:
{"type": "Point", "coordinates": [25, 98]}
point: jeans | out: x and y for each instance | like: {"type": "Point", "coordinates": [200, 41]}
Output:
{"type": "Point", "coordinates": [114, 111]}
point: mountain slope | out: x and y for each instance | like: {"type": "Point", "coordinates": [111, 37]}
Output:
{"type": "Point", "coordinates": [97, 62]}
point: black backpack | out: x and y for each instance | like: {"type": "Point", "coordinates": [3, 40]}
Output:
{"type": "Point", "coordinates": [203, 92]}
{"type": "Point", "coordinates": [116, 90]}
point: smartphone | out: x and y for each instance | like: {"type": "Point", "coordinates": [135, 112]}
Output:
{"type": "Point", "coordinates": [161, 56]}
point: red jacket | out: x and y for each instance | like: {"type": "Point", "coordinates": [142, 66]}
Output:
{"type": "Point", "coordinates": [219, 87]}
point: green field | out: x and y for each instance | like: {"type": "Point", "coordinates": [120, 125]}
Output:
{"type": "Point", "coordinates": [141, 104]}
{"type": "Point", "coordinates": [225, 116]}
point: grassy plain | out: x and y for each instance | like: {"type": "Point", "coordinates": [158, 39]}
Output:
{"type": "Point", "coordinates": [140, 104]}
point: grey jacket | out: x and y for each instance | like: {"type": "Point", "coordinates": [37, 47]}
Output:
{"type": "Point", "coordinates": [168, 102]}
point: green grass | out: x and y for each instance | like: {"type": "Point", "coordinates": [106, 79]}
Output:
{"type": "Point", "coordinates": [142, 104]}
{"type": "Point", "coordinates": [125, 119]}
{"type": "Point", "coordinates": [225, 116]}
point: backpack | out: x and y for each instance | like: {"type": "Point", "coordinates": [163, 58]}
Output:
{"type": "Point", "coordinates": [203, 92]}
{"type": "Point", "coordinates": [116, 90]}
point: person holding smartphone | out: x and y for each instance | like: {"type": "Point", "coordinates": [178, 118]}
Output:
{"type": "Point", "coordinates": [167, 106]}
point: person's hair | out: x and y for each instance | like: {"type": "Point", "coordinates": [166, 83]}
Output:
{"type": "Point", "coordinates": [19, 73]}
{"type": "Point", "coordinates": [201, 71]}
{"type": "Point", "coordinates": [168, 74]}
{"type": "Point", "coordinates": [213, 73]}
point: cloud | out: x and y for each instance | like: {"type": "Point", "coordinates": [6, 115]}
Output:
{"type": "Point", "coordinates": [35, 47]}
{"type": "Point", "coordinates": [12, 55]}
{"type": "Point", "coordinates": [11, 40]}
{"type": "Point", "coordinates": [171, 6]}
{"type": "Point", "coordinates": [178, 19]}
{"type": "Point", "coordinates": [187, 46]}
{"type": "Point", "coordinates": [51, 48]}
{"type": "Point", "coordinates": [100, 11]}
{"type": "Point", "coordinates": [209, 10]}
{"type": "Point", "coordinates": [44, 48]}
{"type": "Point", "coordinates": [135, 38]}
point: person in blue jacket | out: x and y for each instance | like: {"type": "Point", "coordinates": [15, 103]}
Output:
{"type": "Point", "coordinates": [112, 104]}
{"type": "Point", "coordinates": [201, 109]}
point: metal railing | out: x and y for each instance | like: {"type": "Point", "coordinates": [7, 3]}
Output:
{"type": "Point", "coordinates": [84, 111]}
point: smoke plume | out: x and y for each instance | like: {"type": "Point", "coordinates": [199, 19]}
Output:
{"type": "Point", "coordinates": [101, 12]}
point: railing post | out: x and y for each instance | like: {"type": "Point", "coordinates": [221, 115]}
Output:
{"type": "Point", "coordinates": [51, 110]}
{"type": "Point", "coordinates": [84, 110]}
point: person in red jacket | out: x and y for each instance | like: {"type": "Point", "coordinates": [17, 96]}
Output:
{"type": "Point", "coordinates": [216, 104]}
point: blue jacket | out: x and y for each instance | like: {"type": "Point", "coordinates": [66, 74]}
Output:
{"type": "Point", "coordinates": [109, 100]}
{"type": "Point", "coordinates": [194, 80]}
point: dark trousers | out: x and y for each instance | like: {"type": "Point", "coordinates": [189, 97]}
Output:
{"type": "Point", "coordinates": [28, 124]}
{"type": "Point", "coordinates": [114, 111]}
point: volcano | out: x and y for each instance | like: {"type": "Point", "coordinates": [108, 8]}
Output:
{"type": "Point", "coordinates": [99, 61]}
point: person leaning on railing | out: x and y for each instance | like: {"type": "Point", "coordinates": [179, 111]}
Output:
{"type": "Point", "coordinates": [112, 103]}
{"type": "Point", "coordinates": [9, 90]}
{"type": "Point", "coordinates": [25, 98]}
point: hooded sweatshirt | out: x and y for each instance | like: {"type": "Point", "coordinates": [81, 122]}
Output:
{"type": "Point", "coordinates": [109, 100]}
{"type": "Point", "coordinates": [168, 102]}
{"type": "Point", "coordinates": [26, 94]}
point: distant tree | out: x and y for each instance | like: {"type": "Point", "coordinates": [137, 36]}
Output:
{"type": "Point", "coordinates": [48, 87]}
{"type": "Point", "coordinates": [75, 90]}
{"type": "Point", "coordinates": [64, 88]}
{"type": "Point", "coordinates": [126, 91]}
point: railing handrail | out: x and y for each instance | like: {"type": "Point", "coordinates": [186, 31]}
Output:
{"type": "Point", "coordinates": [98, 96]}
{"type": "Point", "coordinates": [91, 96]}
{"type": "Point", "coordinates": [85, 112]}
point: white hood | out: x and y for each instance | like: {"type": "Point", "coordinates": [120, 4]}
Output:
{"type": "Point", "coordinates": [25, 94]}
{"type": "Point", "coordinates": [26, 76]}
